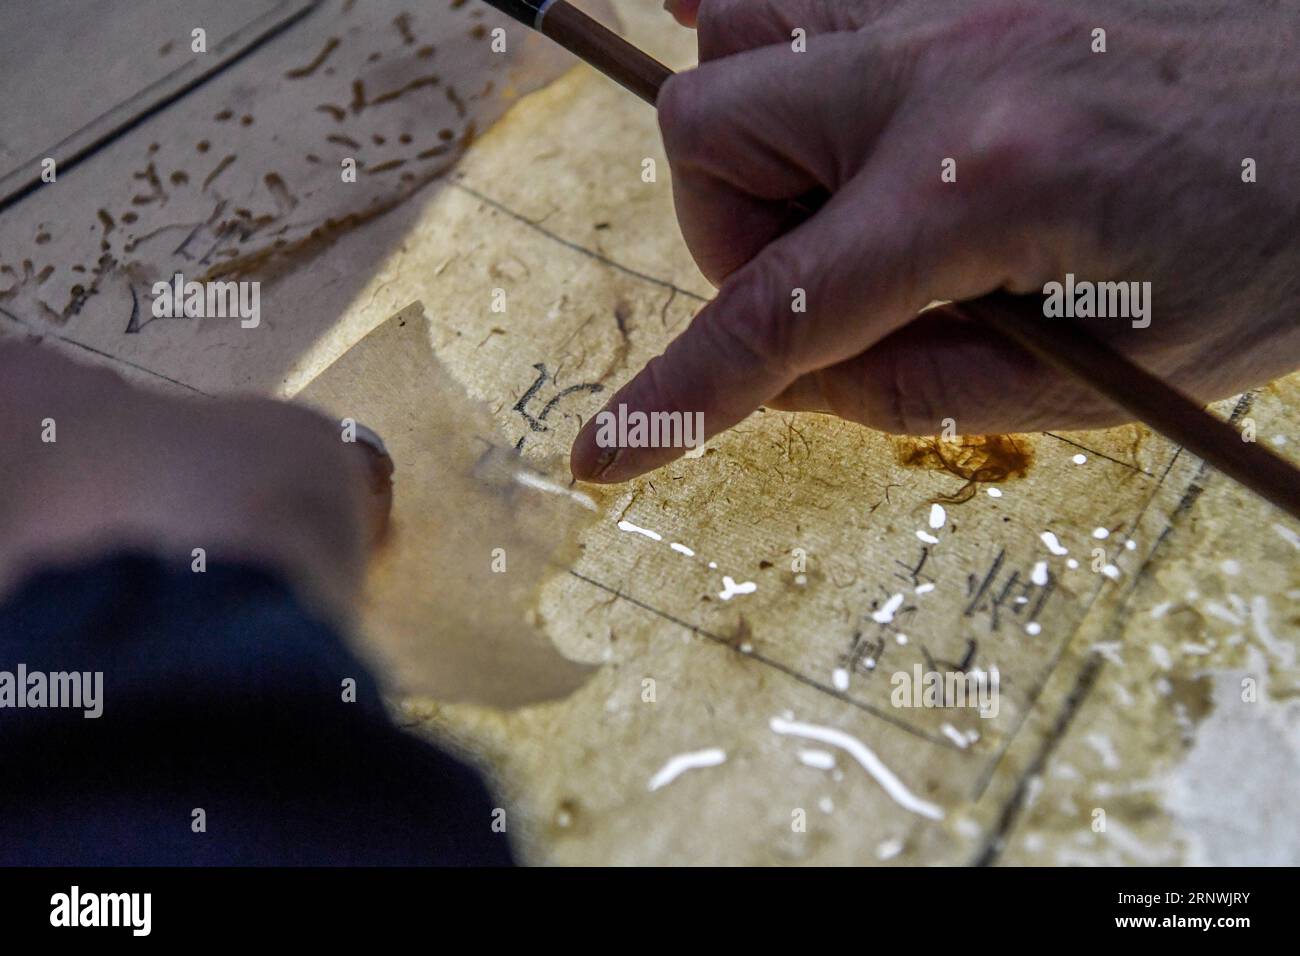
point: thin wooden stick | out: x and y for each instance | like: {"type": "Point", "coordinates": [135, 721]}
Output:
{"type": "Point", "coordinates": [590, 41]}
{"type": "Point", "coordinates": [1019, 318]}
{"type": "Point", "coordinates": [1062, 343]}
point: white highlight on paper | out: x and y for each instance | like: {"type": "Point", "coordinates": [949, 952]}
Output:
{"type": "Point", "coordinates": [678, 765]}
{"type": "Point", "coordinates": [863, 755]}
{"type": "Point", "coordinates": [530, 480]}
{"type": "Point", "coordinates": [886, 613]}
{"type": "Point", "coordinates": [1287, 535]}
{"type": "Point", "coordinates": [730, 588]}
{"type": "Point", "coordinates": [629, 526]}
{"type": "Point", "coordinates": [817, 759]}
{"type": "Point", "coordinates": [955, 735]}
{"type": "Point", "coordinates": [1053, 545]}
{"type": "Point", "coordinates": [888, 849]}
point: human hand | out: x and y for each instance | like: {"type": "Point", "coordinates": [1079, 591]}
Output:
{"type": "Point", "coordinates": [1125, 165]}
{"type": "Point", "coordinates": [245, 479]}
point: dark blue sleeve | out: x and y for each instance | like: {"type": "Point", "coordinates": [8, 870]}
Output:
{"type": "Point", "coordinates": [220, 694]}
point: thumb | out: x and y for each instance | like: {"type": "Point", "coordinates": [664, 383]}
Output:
{"type": "Point", "coordinates": [378, 470]}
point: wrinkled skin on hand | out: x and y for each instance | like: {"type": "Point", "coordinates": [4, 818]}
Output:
{"type": "Point", "coordinates": [1124, 165]}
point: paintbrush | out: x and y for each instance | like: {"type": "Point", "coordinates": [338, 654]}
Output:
{"type": "Point", "coordinates": [1019, 318]}
{"type": "Point", "coordinates": [591, 42]}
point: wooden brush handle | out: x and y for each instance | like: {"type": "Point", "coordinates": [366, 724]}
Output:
{"type": "Point", "coordinates": [1063, 344]}
{"type": "Point", "coordinates": [604, 49]}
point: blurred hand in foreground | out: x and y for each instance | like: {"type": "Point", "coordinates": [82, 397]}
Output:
{"type": "Point", "coordinates": [92, 464]}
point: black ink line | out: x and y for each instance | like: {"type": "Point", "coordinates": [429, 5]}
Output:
{"type": "Point", "coordinates": [94, 351]}
{"type": "Point", "coordinates": [776, 665]}
{"type": "Point", "coordinates": [116, 132]}
{"type": "Point", "coordinates": [1189, 497]}
{"type": "Point", "coordinates": [1099, 454]}
{"type": "Point", "coordinates": [576, 247]}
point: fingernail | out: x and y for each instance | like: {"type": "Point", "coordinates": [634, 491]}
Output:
{"type": "Point", "coordinates": [589, 468]}
{"type": "Point", "coordinates": [380, 467]}
{"type": "Point", "coordinates": [371, 438]}
{"type": "Point", "coordinates": [604, 463]}
{"type": "Point", "coordinates": [589, 461]}
{"type": "Point", "coordinates": [381, 463]}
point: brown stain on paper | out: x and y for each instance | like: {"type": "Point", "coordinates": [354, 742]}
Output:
{"type": "Point", "coordinates": [975, 459]}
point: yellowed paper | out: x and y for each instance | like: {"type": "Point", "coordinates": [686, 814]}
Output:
{"type": "Point", "coordinates": [449, 607]}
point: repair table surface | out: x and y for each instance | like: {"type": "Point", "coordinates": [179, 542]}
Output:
{"type": "Point", "coordinates": [1139, 610]}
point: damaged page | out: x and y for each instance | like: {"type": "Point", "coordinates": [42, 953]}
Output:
{"type": "Point", "coordinates": [451, 601]}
